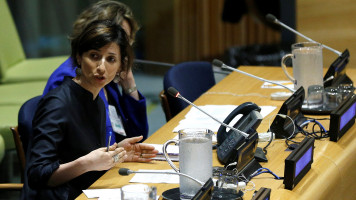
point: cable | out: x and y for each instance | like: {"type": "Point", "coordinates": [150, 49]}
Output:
{"type": "Point", "coordinates": [323, 132]}
{"type": "Point", "coordinates": [231, 164]}
{"type": "Point", "coordinates": [264, 170]}
{"type": "Point", "coordinates": [290, 146]}
{"type": "Point", "coordinates": [318, 119]}
{"type": "Point", "coordinates": [269, 129]}
{"type": "Point", "coordinates": [253, 186]}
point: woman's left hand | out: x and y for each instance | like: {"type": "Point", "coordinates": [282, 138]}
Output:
{"type": "Point", "coordinates": [137, 152]}
{"type": "Point", "coordinates": [127, 81]}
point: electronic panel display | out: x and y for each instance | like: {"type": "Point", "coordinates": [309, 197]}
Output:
{"type": "Point", "coordinates": [336, 72]}
{"type": "Point", "coordinates": [347, 116]}
{"type": "Point", "coordinates": [283, 127]}
{"type": "Point", "coordinates": [342, 118]}
{"type": "Point", "coordinates": [298, 163]}
{"type": "Point", "coordinates": [303, 161]}
{"type": "Point", "coordinates": [262, 194]}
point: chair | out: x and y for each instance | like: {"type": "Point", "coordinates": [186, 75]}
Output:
{"type": "Point", "coordinates": [191, 79]}
{"type": "Point", "coordinates": [2, 148]}
{"type": "Point", "coordinates": [26, 114]}
{"type": "Point", "coordinates": [14, 67]}
{"type": "Point", "coordinates": [22, 135]}
{"type": "Point", "coordinates": [19, 150]}
{"type": "Point", "coordinates": [21, 156]}
{"type": "Point", "coordinates": [165, 105]}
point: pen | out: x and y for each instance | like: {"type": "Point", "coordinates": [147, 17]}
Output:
{"type": "Point", "coordinates": [107, 148]}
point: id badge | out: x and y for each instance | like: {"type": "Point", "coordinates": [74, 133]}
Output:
{"type": "Point", "coordinates": [116, 121]}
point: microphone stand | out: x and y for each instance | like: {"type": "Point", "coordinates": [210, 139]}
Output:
{"type": "Point", "coordinates": [169, 65]}
{"type": "Point", "coordinates": [148, 62]}
{"type": "Point", "coordinates": [219, 63]}
{"type": "Point", "coordinates": [273, 19]}
{"type": "Point", "coordinates": [162, 172]}
{"type": "Point", "coordinates": [172, 91]}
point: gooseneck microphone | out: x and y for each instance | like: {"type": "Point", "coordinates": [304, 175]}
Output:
{"type": "Point", "coordinates": [173, 92]}
{"type": "Point", "coordinates": [126, 171]}
{"type": "Point", "coordinates": [149, 62]}
{"type": "Point", "coordinates": [273, 19]}
{"type": "Point", "coordinates": [219, 63]}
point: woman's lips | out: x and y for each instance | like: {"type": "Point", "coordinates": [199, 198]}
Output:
{"type": "Point", "coordinates": [100, 78]}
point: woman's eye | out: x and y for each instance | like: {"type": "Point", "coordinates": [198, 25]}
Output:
{"type": "Point", "coordinates": [94, 56]}
{"type": "Point", "coordinates": [111, 59]}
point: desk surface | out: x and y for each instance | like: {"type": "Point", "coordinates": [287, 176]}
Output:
{"type": "Point", "coordinates": [332, 175]}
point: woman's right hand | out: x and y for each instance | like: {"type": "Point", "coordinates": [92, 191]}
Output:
{"type": "Point", "coordinates": [100, 159]}
{"type": "Point", "coordinates": [97, 160]}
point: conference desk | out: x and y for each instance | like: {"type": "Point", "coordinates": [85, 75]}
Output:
{"type": "Point", "coordinates": [332, 174]}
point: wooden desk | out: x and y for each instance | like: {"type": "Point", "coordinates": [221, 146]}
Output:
{"type": "Point", "coordinates": [332, 175]}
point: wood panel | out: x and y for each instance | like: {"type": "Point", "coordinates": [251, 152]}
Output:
{"type": "Point", "coordinates": [211, 35]}
{"type": "Point", "coordinates": [331, 23]}
{"type": "Point", "coordinates": [195, 31]}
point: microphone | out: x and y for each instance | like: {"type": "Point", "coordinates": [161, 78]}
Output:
{"type": "Point", "coordinates": [273, 19]}
{"type": "Point", "coordinates": [174, 92]}
{"type": "Point", "coordinates": [148, 62]}
{"type": "Point", "coordinates": [219, 63]}
{"type": "Point", "coordinates": [126, 171]}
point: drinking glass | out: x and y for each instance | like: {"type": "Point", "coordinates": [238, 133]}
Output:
{"type": "Point", "coordinates": [345, 90]}
{"type": "Point", "coordinates": [307, 61]}
{"type": "Point", "coordinates": [195, 159]}
{"type": "Point", "coordinates": [315, 96]}
{"type": "Point", "coordinates": [332, 97]}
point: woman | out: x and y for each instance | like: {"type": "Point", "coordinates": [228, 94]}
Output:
{"type": "Point", "coordinates": [68, 151]}
{"type": "Point", "coordinates": [125, 112]}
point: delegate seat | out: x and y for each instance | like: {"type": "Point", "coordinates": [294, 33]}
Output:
{"type": "Point", "coordinates": [191, 79]}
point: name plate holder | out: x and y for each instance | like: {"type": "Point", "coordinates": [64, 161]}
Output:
{"type": "Point", "coordinates": [262, 194]}
{"type": "Point", "coordinates": [298, 163]}
{"type": "Point", "coordinates": [342, 118]}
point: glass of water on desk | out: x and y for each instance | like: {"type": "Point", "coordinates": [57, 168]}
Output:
{"type": "Point", "coordinates": [315, 96]}
{"type": "Point", "coordinates": [346, 89]}
{"type": "Point", "coordinates": [195, 159]}
{"type": "Point", "coordinates": [333, 97]}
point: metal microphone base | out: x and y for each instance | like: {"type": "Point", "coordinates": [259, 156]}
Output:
{"type": "Point", "coordinates": [171, 194]}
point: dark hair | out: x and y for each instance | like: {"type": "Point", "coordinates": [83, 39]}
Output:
{"type": "Point", "coordinates": [98, 34]}
{"type": "Point", "coordinates": [105, 10]}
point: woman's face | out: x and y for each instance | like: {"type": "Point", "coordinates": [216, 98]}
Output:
{"type": "Point", "coordinates": [99, 67]}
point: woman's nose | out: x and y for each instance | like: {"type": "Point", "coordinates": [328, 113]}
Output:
{"type": "Point", "coordinates": [101, 66]}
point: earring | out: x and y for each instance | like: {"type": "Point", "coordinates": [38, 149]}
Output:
{"type": "Point", "coordinates": [116, 78]}
{"type": "Point", "coordinates": [78, 71]}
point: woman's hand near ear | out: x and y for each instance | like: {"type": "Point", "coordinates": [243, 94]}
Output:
{"type": "Point", "coordinates": [128, 84]}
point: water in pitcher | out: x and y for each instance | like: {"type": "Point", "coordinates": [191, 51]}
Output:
{"type": "Point", "coordinates": [308, 67]}
{"type": "Point", "coordinates": [194, 151]}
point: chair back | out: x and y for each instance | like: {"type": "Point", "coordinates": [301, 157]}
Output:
{"type": "Point", "coordinates": [26, 114]}
{"type": "Point", "coordinates": [11, 50]}
{"type": "Point", "coordinates": [22, 134]}
{"type": "Point", "coordinates": [19, 150]}
{"type": "Point", "coordinates": [165, 105]}
{"type": "Point", "coordinates": [191, 79]}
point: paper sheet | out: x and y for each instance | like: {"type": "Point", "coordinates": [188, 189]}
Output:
{"type": "Point", "coordinates": [98, 193]}
{"type": "Point", "coordinates": [289, 84]}
{"type": "Point", "coordinates": [105, 194]}
{"type": "Point", "coordinates": [196, 119]}
{"type": "Point", "coordinates": [172, 150]}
